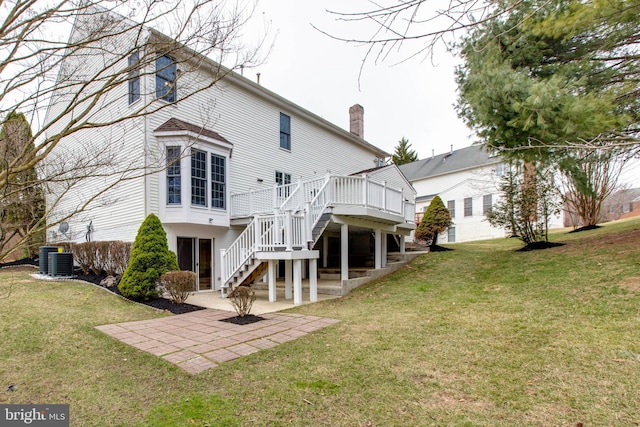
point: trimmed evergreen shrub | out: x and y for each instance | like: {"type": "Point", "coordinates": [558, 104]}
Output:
{"type": "Point", "coordinates": [150, 259]}
{"type": "Point", "coordinates": [435, 220]}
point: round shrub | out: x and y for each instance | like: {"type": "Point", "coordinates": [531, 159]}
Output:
{"type": "Point", "coordinates": [150, 259]}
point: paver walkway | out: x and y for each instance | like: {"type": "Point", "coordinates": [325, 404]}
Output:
{"type": "Point", "coordinates": [200, 340]}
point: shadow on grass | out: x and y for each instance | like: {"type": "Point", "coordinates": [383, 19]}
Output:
{"type": "Point", "coordinates": [585, 228]}
{"type": "Point", "coordinates": [437, 248]}
{"type": "Point", "coordinates": [539, 245]}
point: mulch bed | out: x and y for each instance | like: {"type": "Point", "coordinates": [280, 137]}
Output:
{"type": "Point", "coordinates": [158, 303]}
{"type": "Point", "coordinates": [244, 320]}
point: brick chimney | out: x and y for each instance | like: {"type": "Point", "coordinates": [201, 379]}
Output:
{"type": "Point", "coordinates": [356, 120]}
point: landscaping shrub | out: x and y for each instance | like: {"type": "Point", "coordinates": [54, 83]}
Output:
{"type": "Point", "coordinates": [111, 257]}
{"type": "Point", "coordinates": [84, 255]}
{"type": "Point", "coordinates": [179, 284]}
{"type": "Point", "coordinates": [119, 255]}
{"type": "Point", "coordinates": [117, 258]}
{"type": "Point", "coordinates": [150, 259]}
{"type": "Point", "coordinates": [242, 299]}
{"type": "Point", "coordinates": [435, 220]}
{"type": "Point", "coordinates": [101, 260]}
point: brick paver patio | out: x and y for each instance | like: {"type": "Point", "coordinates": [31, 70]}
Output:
{"type": "Point", "coordinates": [200, 340]}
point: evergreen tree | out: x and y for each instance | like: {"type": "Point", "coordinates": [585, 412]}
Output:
{"type": "Point", "coordinates": [150, 259]}
{"type": "Point", "coordinates": [435, 220]}
{"type": "Point", "coordinates": [404, 153]}
{"type": "Point", "coordinates": [22, 201]}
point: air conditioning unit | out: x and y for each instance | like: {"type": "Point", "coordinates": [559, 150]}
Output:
{"type": "Point", "coordinates": [43, 261]}
{"type": "Point", "coordinates": [60, 264]}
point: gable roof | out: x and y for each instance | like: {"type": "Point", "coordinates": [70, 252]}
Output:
{"type": "Point", "coordinates": [455, 161]}
{"type": "Point", "coordinates": [173, 125]}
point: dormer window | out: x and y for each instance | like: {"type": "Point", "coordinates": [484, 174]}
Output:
{"type": "Point", "coordinates": [166, 73]}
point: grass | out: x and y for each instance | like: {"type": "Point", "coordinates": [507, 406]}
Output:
{"type": "Point", "coordinates": [478, 336]}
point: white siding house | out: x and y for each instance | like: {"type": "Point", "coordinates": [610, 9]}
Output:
{"type": "Point", "coordinates": [240, 177]}
{"type": "Point", "coordinates": [467, 180]}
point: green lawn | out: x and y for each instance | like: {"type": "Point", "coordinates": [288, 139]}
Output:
{"type": "Point", "coordinates": [479, 336]}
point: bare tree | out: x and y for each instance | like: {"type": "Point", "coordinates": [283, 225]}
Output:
{"type": "Point", "coordinates": [62, 83]}
{"type": "Point", "coordinates": [589, 177]}
{"type": "Point", "coordinates": [413, 28]}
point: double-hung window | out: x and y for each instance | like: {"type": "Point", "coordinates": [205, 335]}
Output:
{"type": "Point", "coordinates": [487, 203]}
{"type": "Point", "coordinates": [451, 207]}
{"type": "Point", "coordinates": [468, 206]}
{"type": "Point", "coordinates": [134, 77]}
{"type": "Point", "coordinates": [285, 131]}
{"type": "Point", "coordinates": [173, 176]}
{"type": "Point", "coordinates": [198, 178]}
{"type": "Point", "coordinates": [218, 182]}
{"type": "Point", "coordinates": [166, 72]}
{"type": "Point", "coordinates": [451, 235]}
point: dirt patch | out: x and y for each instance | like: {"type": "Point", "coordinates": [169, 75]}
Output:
{"type": "Point", "coordinates": [632, 284]}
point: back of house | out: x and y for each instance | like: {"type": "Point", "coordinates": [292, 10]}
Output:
{"type": "Point", "coordinates": [164, 130]}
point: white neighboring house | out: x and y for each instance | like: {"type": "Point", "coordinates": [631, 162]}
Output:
{"type": "Point", "coordinates": [467, 180]}
{"type": "Point", "coordinates": [245, 182]}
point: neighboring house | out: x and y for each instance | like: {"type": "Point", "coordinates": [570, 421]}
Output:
{"type": "Point", "coordinates": [246, 183]}
{"type": "Point", "coordinates": [621, 204]}
{"type": "Point", "coordinates": [467, 180]}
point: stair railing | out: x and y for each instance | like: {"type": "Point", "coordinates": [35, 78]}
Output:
{"type": "Point", "coordinates": [322, 198]}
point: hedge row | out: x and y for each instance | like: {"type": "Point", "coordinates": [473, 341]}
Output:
{"type": "Point", "coordinates": [111, 257]}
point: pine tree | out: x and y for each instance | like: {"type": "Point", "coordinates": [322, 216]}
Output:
{"type": "Point", "coordinates": [404, 153]}
{"type": "Point", "coordinates": [150, 259]}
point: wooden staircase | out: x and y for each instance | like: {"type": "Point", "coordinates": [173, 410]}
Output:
{"type": "Point", "coordinates": [252, 270]}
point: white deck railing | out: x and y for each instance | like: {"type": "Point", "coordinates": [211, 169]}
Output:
{"type": "Point", "coordinates": [279, 232]}
{"type": "Point", "coordinates": [343, 190]}
{"type": "Point", "coordinates": [287, 229]}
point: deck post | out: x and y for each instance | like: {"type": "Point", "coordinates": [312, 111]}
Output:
{"type": "Point", "coordinates": [378, 248]}
{"type": "Point", "coordinates": [273, 264]}
{"type": "Point", "coordinates": [287, 279]}
{"type": "Point", "coordinates": [307, 225]}
{"type": "Point", "coordinates": [344, 252]}
{"type": "Point", "coordinates": [297, 282]}
{"type": "Point", "coordinates": [288, 230]}
{"type": "Point", "coordinates": [325, 251]}
{"type": "Point", "coordinates": [384, 242]}
{"type": "Point", "coordinates": [223, 273]}
{"type": "Point", "coordinates": [402, 244]}
{"type": "Point", "coordinates": [313, 279]}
